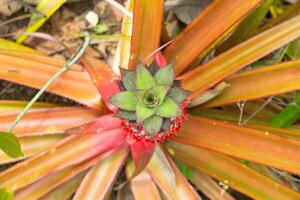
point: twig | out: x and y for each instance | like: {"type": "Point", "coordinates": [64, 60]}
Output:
{"type": "Point", "coordinates": [50, 81]}
{"type": "Point", "coordinates": [257, 111]}
{"type": "Point", "coordinates": [121, 8]}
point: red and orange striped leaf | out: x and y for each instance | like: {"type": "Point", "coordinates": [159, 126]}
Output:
{"type": "Point", "coordinates": [240, 142]}
{"type": "Point", "coordinates": [60, 156]}
{"type": "Point", "coordinates": [233, 173]}
{"type": "Point", "coordinates": [258, 83]}
{"type": "Point", "coordinates": [50, 182]}
{"type": "Point", "coordinates": [31, 146]}
{"type": "Point", "coordinates": [100, 178]}
{"type": "Point", "coordinates": [141, 152]}
{"type": "Point", "coordinates": [48, 120]}
{"type": "Point", "coordinates": [142, 185]}
{"type": "Point", "coordinates": [178, 191]}
{"type": "Point", "coordinates": [207, 75]}
{"type": "Point", "coordinates": [147, 25]}
{"type": "Point", "coordinates": [209, 187]}
{"type": "Point", "coordinates": [65, 190]}
{"type": "Point", "coordinates": [55, 62]}
{"type": "Point", "coordinates": [75, 85]}
{"type": "Point", "coordinates": [208, 26]}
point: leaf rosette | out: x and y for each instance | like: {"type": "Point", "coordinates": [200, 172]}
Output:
{"type": "Point", "coordinates": [150, 101]}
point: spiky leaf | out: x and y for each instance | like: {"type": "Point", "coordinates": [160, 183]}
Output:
{"type": "Point", "coordinates": [129, 81]}
{"type": "Point", "coordinates": [161, 92]}
{"type": "Point", "coordinates": [153, 68]}
{"type": "Point", "coordinates": [169, 109]}
{"type": "Point", "coordinates": [123, 72]}
{"type": "Point", "coordinates": [4, 195]}
{"type": "Point", "coordinates": [130, 115]}
{"type": "Point", "coordinates": [165, 75]}
{"type": "Point", "coordinates": [166, 124]}
{"type": "Point", "coordinates": [143, 112]}
{"type": "Point", "coordinates": [124, 100]}
{"type": "Point", "coordinates": [144, 79]}
{"type": "Point", "coordinates": [10, 145]}
{"type": "Point", "coordinates": [178, 94]}
{"type": "Point", "coordinates": [152, 124]}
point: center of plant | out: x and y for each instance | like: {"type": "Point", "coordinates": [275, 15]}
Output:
{"type": "Point", "coordinates": [150, 99]}
{"type": "Point", "coordinates": [150, 102]}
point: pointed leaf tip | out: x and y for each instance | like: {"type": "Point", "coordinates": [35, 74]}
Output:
{"type": "Point", "coordinates": [169, 109]}
{"type": "Point", "coordinates": [144, 79]}
{"type": "Point", "coordinates": [124, 100]}
{"type": "Point", "coordinates": [10, 144]}
{"type": "Point", "coordinates": [129, 81]}
{"type": "Point", "coordinates": [130, 115]}
{"type": "Point", "coordinates": [165, 75]}
{"type": "Point", "coordinates": [153, 124]}
{"type": "Point", "coordinates": [143, 112]}
{"type": "Point", "coordinates": [178, 94]}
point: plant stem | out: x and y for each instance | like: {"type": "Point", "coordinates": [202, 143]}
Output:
{"type": "Point", "coordinates": [50, 81]}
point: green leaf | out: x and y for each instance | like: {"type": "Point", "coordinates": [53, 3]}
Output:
{"type": "Point", "coordinates": [129, 81]}
{"type": "Point", "coordinates": [161, 91]}
{"type": "Point", "coordinates": [4, 195]}
{"type": "Point", "coordinates": [124, 100]}
{"type": "Point", "coordinates": [169, 109]}
{"type": "Point", "coordinates": [165, 75]}
{"type": "Point", "coordinates": [166, 124]}
{"type": "Point", "coordinates": [294, 50]}
{"type": "Point", "coordinates": [289, 115]}
{"type": "Point", "coordinates": [9, 143]}
{"type": "Point", "coordinates": [178, 94]}
{"type": "Point", "coordinates": [123, 72]}
{"type": "Point", "coordinates": [130, 115]}
{"type": "Point", "coordinates": [144, 79]}
{"type": "Point", "coordinates": [152, 124]}
{"type": "Point", "coordinates": [153, 68]}
{"type": "Point", "coordinates": [185, 170]}
{"type": "Point", "coordinates": [143, 112]}
{"type": "Point", "coordinates": [101, 28]}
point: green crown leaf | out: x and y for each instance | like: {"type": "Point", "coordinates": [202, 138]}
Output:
{"type": "Point", "coordinates": [152, 124]}
{"type": "Point", "coordinates": [151, 97]}
{"type": "Point", "coordinates": [169, 109]}
{"type": "Point", "coordinates": [144, 79]}
{"type": "Point", "coordinates": [124, 100]}
{"type": "Point", "coordinates": [165, 76]}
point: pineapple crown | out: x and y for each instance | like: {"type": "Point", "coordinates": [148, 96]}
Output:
{"type": "Point", "coordinates": [150, 99]}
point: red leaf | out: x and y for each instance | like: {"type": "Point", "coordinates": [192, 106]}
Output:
{"type": "Point", "coordinates": [103, 78]}
{"type": "Point", "coordinates": [141, 152]}
{"type": "Point", "coordinates": [107, 122]}
{"type": "Point", "coordinates": [160, 59]}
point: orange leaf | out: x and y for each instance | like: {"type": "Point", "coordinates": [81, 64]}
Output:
{"type": "Point", "coordinates": [233, 173]}
{"type": "Point", "coordinates": [142, 185]}
{"type": "Point", "coordinates": [48, 120]}
{"type": "Point", "coordinates": [147, 25]}
{"type": "Point", "coordinates": [181, 190]}
{"type": "Point", "coordinates": [209, 25]}
{"type": "Point", "coordinates": [100, 178]}
{"type": "Point", "coordinates": [209, 186]}
{"type": "Point", "coordinates": [32, 145]}
{"type": "Point", "coordinates": [244, 143]}
{"type": "Point", "coordinates": [207, 75]}
{"type": "Point", "coordinates": [72, 84]}
{"type": "Point", "coordinates": [59, 157]}
{"type": "Point", "coordinates": [261, 82]}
